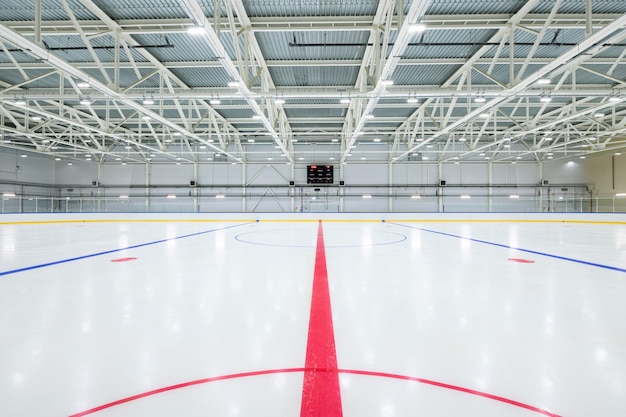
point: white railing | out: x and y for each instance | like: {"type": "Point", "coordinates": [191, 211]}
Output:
{"type": "Point", "coordinates": [272, 203]}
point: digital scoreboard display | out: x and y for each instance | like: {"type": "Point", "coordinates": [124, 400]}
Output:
{"type": "Point", "coordinates": [319, 174]}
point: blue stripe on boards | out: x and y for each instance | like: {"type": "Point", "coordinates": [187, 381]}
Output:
{"type": "Point", "coordinates": [500, 245]}
{"type": "Point", "coordinates": [91, 255]}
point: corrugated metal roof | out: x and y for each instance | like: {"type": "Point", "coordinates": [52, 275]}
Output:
{"type": "Point", "coordinates": [315, 112]}
{"type": "Point", "coordinates": [303, 8]}
{"type": "Point", "coordinates": [12, 10]}
{"type": "Point", "coordinates": [314, 76]}
{"type": "Point", "coordinates": [312, 45]}
{"type": "Point", "coordinates": [203, 77]}
{"type": "Point", "coordinates": [578, 7]}
{"type": "Point", "coordinates": [423, 74]}
{"type": "Point", "coordinates": [178, 47]}
{"type": "Point", "coordinates": [144, 9]}
{"type": "Point", "coordinates": [474, 7]}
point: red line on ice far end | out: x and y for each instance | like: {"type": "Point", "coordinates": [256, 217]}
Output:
{"type": "Point", "coordinates": [320, 391]}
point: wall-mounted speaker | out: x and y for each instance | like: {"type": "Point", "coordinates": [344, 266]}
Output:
{"type": "Point", "coordinates": [442, 183]}
{"type": "Point", "coordinates": [292, 183]}
{"type": "Point", "coordinates": [342, 183]}
{"type": "Point", "coordinates": [192, 183]}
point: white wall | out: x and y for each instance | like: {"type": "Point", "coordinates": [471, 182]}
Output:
{"type": "Point", "coordinates": [268, 190]}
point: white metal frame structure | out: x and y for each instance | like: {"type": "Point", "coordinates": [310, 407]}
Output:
{"type": "Point", "coordinates": [252, 81]}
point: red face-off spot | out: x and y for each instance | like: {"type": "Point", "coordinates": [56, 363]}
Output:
{"type": "Point", "coordinates": [123, 259]}
{"type": "Point", "coordinates": [520, 260]}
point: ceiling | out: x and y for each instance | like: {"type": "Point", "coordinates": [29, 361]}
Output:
{"type": "Point", "coordinates": [312, 81]}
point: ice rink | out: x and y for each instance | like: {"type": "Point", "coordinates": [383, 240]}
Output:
{"type": "Point", "coordinates": [313, 318]}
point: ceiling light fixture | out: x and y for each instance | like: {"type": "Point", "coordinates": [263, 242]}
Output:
{"type": "Point", "coordinates": [412, 100]}
{"type": "Point", "coordinates": [417, 27]}
{"type": "Point", "coordinates": [83, 84]}
{"type": "Point", "coordinates": [543, 81]}
{"type": "Point", "coordinates": [545, 98]}
{"type": "Point", "coordinates": [215, 101]}
{"type": "Point", "coordinates": [195, 30]}
{"type": "Point", "coordinates": [344, 101]}
{"type": "Point", "coordinates": [386, 82]}
{"type": "Point", "coordinates": [85, 101]}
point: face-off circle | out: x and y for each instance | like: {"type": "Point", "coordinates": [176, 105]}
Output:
{"type": "Point", "coordinates": [289, 238]}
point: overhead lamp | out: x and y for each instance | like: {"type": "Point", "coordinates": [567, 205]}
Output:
{"type": "Point", "coordinates": [514, 196]}
{"type": "Point", "coordinates": [484, 115]}
{"type": "Point", "coordinates": [369, 116]}
{"type": "Point", "coordinates": [412, 100]}
{"type": "Point", "coordinates": [462, 139]}
{"type": "Point", "coordinates": [195, 30]}
{"type": "Point", "coordinates": [20, 101]}
{"type": "Point", "coordinates": [620, 195]}
{"type": "Point", "coordinates": [256, 117]}
{"type": "Point", "coordinates": [466, 196]}
{"type": "Point", "coordinates": [35, 118]}
{"type": "Point", "coordinates": [8, 194]}
{"type": "Point", "coordinates": [171, 196]}
{"type": "Point", "coordinates": [344, 101]}
{"type": "Point", "coordinates": [417, 27]}
{"type": "Point", "coordinates": [145, 117]}
{"type": "Point", "coordinates": [387, 82]}
{"type": "Point", "coordinates": [366, 196]}
{"type": "Point", "coordinates": [234, 84]}
{"type": "Point", "coordinates": [123, 196]}
{"type": "Point", "coordinates": [583, 157]}
{"type": "Point", "coordinates": [220, 196]}
{"type": "Point", "coordinates": [279, 101]}
{"type": "Point", "coordinates": [615, 98]}
{"type": "Point", "coordinates": [598, 115]}
{"type": "Point", "coordinates": [480, 99]}
{"type": "Point", "coordinates": [545, 98]}
{"type": "Point", "coordinates": [376, 139]}
{"type": "Point", "coordinates": [215, 101]}
{"type": "Point", "coordinates": [83, 84]}
{"type": "Point", "coordinates": [543, 81]}
{"type": "Point", "coordinates": [148, 101]}
{"type": "Point", "coordinates": [416, 196]}
{"type": "Point", "coordinates": [85, 101]}
{"type": "Point", "coordinates": [250, 140]}
{"type": "Point", "coordinates": [617, 153]}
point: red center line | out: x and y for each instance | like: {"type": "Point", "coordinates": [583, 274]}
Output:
{"type": "Point", "coordinates": [321, 396]}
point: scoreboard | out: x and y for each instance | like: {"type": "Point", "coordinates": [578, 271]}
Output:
{"type": "Point", "coordinates": [319, 174]}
